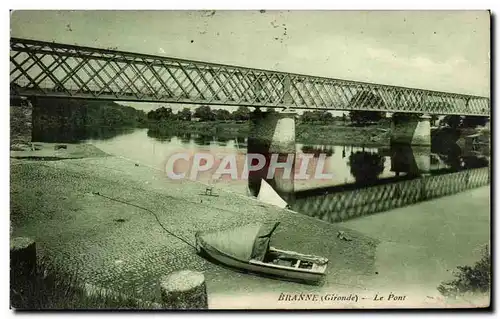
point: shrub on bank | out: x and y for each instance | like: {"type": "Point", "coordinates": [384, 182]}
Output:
{"type": "Point", "coordinates": [475, 279]}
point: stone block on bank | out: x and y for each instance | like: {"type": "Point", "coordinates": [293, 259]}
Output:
{"type": "Point", "coordinates": [184, 289]}
{"type": "Point", "coordinates": [22, 257]}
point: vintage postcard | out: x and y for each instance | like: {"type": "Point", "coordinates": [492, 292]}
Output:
{"type": "Point", "coordinates": [252, 159]}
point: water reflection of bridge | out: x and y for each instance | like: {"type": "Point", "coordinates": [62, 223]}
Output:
{"type": "Point", "coordinates": [419, 175]}
{"type": "Point", "coordinates": [340, 203]}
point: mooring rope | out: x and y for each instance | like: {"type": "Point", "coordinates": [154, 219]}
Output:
{"type": "Point", "coordinates": [176, 236]}
{"type": "Point", "coordinates": [148, 210]}
{"type": "Point", "coordinates": [182, 239]}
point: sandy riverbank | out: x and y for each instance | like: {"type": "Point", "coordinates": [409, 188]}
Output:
{"type": "Point", "coordinates": [123, 248]}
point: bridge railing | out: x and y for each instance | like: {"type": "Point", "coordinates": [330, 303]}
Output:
{"type": "Point", "coordinates": [342, 206]}
{"type": "Point", "coordinates": [52, 69]}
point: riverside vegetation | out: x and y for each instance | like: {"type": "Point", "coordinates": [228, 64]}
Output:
{"type": "Point", "coordinates": [475, 279]}
{"type": "Point", "coordinates": [311, 126]}
{"type": "Point", "coordinates": [72, 120]}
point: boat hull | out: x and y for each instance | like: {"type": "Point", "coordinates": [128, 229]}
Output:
{"type": "Point", "coordinates": [268, 271]}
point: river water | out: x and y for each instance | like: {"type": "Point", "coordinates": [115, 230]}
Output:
{"type": "Point", "coordinates": [347, 164]}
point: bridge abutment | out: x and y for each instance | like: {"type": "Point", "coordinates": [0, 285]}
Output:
{"type": "Point", "coordinates": [21, 123]}
{"type": "Point", "coordinates": [411, 129]}
{"type": "Point", "coordinates": [272, 135]}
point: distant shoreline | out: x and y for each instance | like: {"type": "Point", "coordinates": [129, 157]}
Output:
{"type": "Point", "coordinates": [332, 133]}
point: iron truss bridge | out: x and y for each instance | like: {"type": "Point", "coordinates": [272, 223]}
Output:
{"type": "Point", "coordinates": [50, 69]}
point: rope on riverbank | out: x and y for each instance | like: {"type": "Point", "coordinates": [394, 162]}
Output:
{"type": "Point", "coordinates": [70, 172]}
{"type": "Point", "coordinates": [149, 211]}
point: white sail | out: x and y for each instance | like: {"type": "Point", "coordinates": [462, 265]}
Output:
{"type": "Point", "coordinates": [269, 196]}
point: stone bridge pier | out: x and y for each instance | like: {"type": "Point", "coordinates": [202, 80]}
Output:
{"type": "Point", "coordinates": [411, 129]}
{"type": "Point", "coordinates": [272, 135]}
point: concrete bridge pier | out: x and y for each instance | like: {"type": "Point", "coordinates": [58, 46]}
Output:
{"type": "Point", "coordinates": [411, 130]}
{"type": "Point", "coordinates": [272, 135]}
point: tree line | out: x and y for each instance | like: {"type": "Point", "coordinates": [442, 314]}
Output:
{"type": "Point", "coordinates": [205, 113]}
{"type": "Point", "coordinates": [72, 120]}
{"type": "Point", "coordinates": [75, 113]}
{"type": "Point", "coordinates": [458, 121]}
{"type": "Point", "coordinates": [202, 113]}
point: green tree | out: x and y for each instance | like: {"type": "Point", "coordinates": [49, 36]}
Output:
{"type": "Point", "coordinates": [184, 114]}
{"type": "Point", "coordinates": [326, 116]}
{"type": "Point", "coordinates": [306, 117]}
{"type": "Point", "coordinates": [365, 117]}
{"type": "Point", "coordinates": [241, 114]}
{"type": "Point", "coordinates": [222, 115]}
{"type": "Point", "coordinates": [453, 121]}
{"type": "Point", "coordinates": [474, 121]}
{"type": "Point", "coordinates": [316, 116]}
{"type": "Point", "coordinates": [204, 113]}
{"type": "Point", "coordinates": [161, 114]}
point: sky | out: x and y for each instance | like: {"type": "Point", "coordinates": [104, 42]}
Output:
{"type": "Point", "coordinates": [436, 50]}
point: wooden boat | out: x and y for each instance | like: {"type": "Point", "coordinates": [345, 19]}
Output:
{"type": "Point", "coordinates": [247, 248]}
